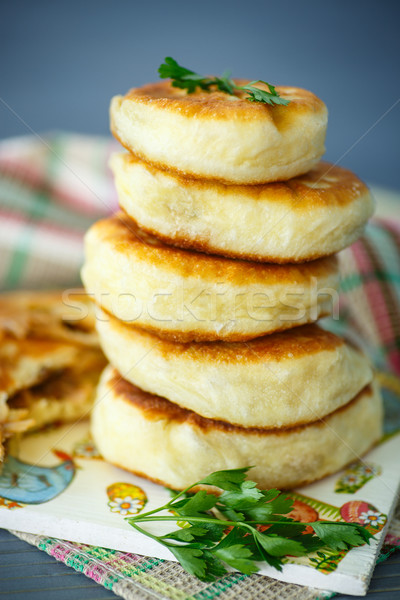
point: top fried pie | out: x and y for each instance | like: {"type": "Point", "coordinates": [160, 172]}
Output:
{"type": "Point", "coordinates": [212, 135]}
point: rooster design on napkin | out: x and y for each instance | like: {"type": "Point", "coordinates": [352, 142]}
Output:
{"type": "Point", "coordinates": [33, 484]}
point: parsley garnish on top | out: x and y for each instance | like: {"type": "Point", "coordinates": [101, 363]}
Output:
{"type": "Point", "coordinates": [189, 80]}
{"type": "Point", "coordinates": [242, 526]}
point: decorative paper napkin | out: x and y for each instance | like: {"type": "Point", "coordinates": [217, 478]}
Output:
{"type": "Point", "coordinates": [132, 576]}
{"type": "Point", "coordinates": [50, 191]}
{"type": "Point", "coordinates": [56, 484]}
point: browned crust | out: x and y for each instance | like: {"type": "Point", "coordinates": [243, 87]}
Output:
{"type": "Point", "coordinates": [191, 174]}
{"type": "Point", "coordinates": [301, 192]}
{"type": "Point", "coordinates": [184, 337]}
{"type": "Point", "coordinates": [214, 490]}
{"type": "Point", "coordinates": [144, 476]}
{"type": "Point", "coordinates": [207, 247]}
{"type": "Point", "coordinates": [125, 236]}
{"type": "Point", "coordinates": [296, 194]}
{"type": "Point", "coordinates": [155, 408]}
{"type": "Point", "coordinates": [211, 489]}
{"type": "Point", "coordinates": [218, 105]}
{"type": "Point", "coordinates": [304, 340]}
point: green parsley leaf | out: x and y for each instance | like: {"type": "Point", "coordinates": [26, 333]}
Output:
{"type": "Point", "coordinates": [224, 530]}
{"type": "Point", "coordinates": [286, 527]}
{"type": "Point", "coordinates": [230, 479]}
{"type": "Point", "coordinates": [255, 94]}
{"type": "Point", "coordinates": [244, 498]}
{"type": "Point", "coordinates": [196, 505]}
{"type": "Point", "coordinates": [171, 69]}
{"type": "Point", "coordinates": [310, 542]}
{"type": "Point", "coordinates": [186, 534]}
{"type": "Point", "coordinates": [237, 536]}
{"type": "Point", "coordinates": [281, 505]}
{"type": "Point", "coordinates": [189, 80]}
{"type": "Point", "coordinates": [184, 78]}
{"type": "Point", "coordinates": [213, 532]}
{"type": "Point", "coordinates": [237, 556]}
{"type": "Point", "coordinates": [215, 567]}
{"type": "Point", "coordinates": [230, 514]}
{"type": "Point", "coordinates": [236, 550]}
{"type": "Point", "coordinates": [279, 546]}
{"type": "Point", "coordinates": [339, 536]}
{"type": "Point", "coordinates": [267, 509]}
{"type": "Point", "coordinates": [192, 560]}
{"type": "Point", "coordinates": [261, 555]}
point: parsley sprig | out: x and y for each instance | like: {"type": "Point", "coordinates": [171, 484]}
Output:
{"type": "Point", "coordinates": [189, 80]}
{"type": "Point", "coordinates": [224, 530]}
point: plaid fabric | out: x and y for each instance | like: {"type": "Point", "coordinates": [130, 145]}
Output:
{"type": "Point", "coordinates": [131, 576]}
{"type": "Point", "coordinates": [371, 291]}
{"type": "Point", "coordinates": [51, 190]}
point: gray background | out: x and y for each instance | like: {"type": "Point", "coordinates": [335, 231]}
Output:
{"type": "Point", "coordinates": [62, 61]}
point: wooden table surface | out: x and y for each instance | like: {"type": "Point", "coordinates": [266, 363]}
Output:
{"type": "Point", "coordinates": [30, 574]}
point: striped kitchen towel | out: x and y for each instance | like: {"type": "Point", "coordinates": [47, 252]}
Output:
{"type": "Point", "coordinates": [51, 190]}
